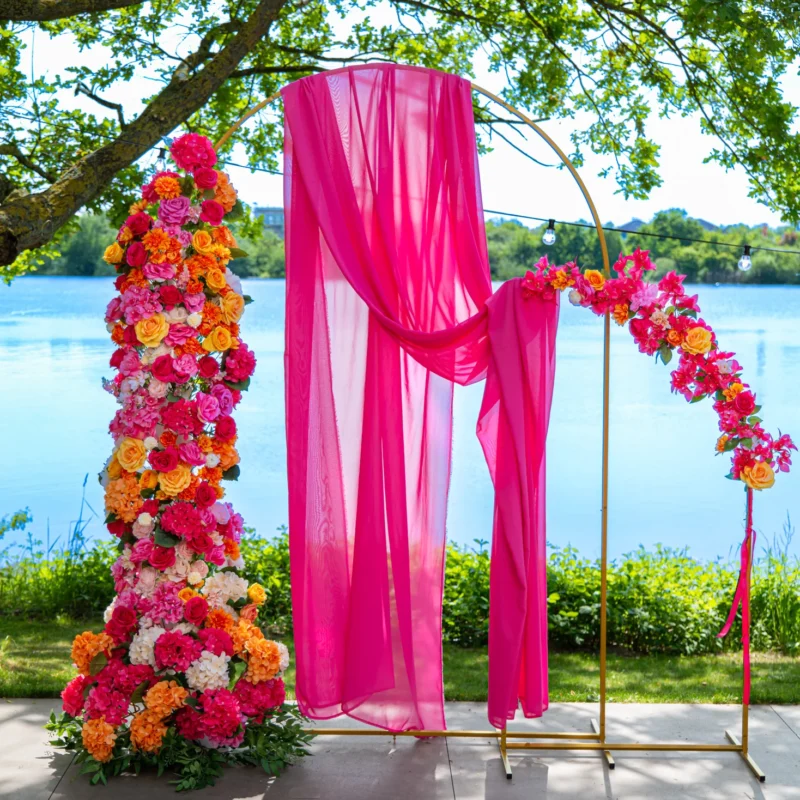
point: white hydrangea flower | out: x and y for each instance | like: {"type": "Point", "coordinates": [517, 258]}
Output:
{"type": "Point", "coordinates": [284, 651]}
{"type": "Point", "coordinates": [142, 648]}
{"type": "Point", "coordinates": [109, 611]}
{"type": "Point", "coordinates": [185, 627]}
{"type": "Point", "coordinates": [224, 586]}
{"type": "Point", "coordinates": [208, 672]}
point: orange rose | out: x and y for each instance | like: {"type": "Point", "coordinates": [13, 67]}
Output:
{"type": "Point", "coordinates": [131, 454]}
{"type": "Point", "coordinates": [114, 468]}
{"type": "Point", "coordinates": [177, 480]}
{"type": "Point", "coordinates": [215, 279]}
{"type": "Point", "coordinates": [218, 340]}
{"type": "Point", "coordinates": [125, 235]}
{"type": "Point", "coordinates": [232, 307]}
{"type": "Point", "coordinates": [698, 341]}
{"type": "Point", "coordinates": [149, 479]}
{"type": "Point", "coordinates": [202, 242]}
{"type": "Point", "coordinates": [674, 337]}
{"type": "Point", "coordinates": [596, 279]}
{"type": "Point", "coordinates": [113, 254]}
{"type": "Point", "coordinates": [731, 392]}
{"type": "Point", "coordinates": [759, 476]}
{"type": "Point", "coordinates": [152, 330]}
{"type": "Point", "coordinates": [187, 593]}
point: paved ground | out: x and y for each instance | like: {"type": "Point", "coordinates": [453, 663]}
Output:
{"type": "Point", "coordinates": [379, 769]}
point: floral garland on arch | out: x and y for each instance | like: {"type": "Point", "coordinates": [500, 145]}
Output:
{"type": "Point", "coordinates": [664, 320]}
{"type": "Point", "coordinates": [182, 675]}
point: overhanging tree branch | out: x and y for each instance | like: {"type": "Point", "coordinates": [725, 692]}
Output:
{"type": "Point", "coordinates": [30, 221]}
{"type": "Point", "coordinates": [49, 10]}
{"type": "Point", "coordinates": [15, 152]}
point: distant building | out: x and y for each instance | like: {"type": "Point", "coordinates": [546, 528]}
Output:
{"type": "Point", "coordinates": [273, 218]}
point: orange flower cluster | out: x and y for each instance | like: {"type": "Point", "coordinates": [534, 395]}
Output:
{"type": "Point", "coordinates": [147, 730]}
{"type": "Point", "coordinates": [263, 660]}
{"type": "Point", "coordinates": [99, 738]}
{"type": "Point", "coordinates": [86, 646]}
{"type": "Point", "coordinates": [165, 697]}
{"type": "Point", "coordinates": [123, 497]}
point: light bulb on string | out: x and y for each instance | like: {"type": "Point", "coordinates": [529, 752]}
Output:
{"type": "Point", "coordinates": [161, 161]}
{"type": "Point", "coordinates": [745, 262]}
{"type": "Point", "coordinates": [549, 236]}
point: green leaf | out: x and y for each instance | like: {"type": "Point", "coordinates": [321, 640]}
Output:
{"type": "Point", "coordinates": [237, 252]}
{"type": "Point", "coordinates": [239, 385]}
{"type": "Point", "coordinates": [165, 539]}
{"type": "Point", "coordinates": [698, 399]}
{"type": "Point", "coordinates": [247, 299]}
{"type": "Point", "coordinates": [754, 420]}
{"type": "Point", "coordinates": [747, 442]}
{"type": "Point", "coordinates": [232, 474]}
{"type": "Point", "coordinates": [666, 353]}
{"type": "Point", "coordinates": [689, 312]}
{"type": "Point", "coordinates": [191, 701]}
{"type": "Point", "coordinates": [148, 493]}
{"type": "Point", "coordinates": [97, 663]}
{"type": "Point", "coordinates": [138, 692]}
{"type": "Point", "coordinates": [237, 669]}
{"type": "Point", "coordinates": [236, 212]}
{"type": "Point", "coordinates": [110, 518]}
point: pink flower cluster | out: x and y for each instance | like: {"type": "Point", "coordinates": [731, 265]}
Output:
{"type": "Point", "coordinates": [664, 320]}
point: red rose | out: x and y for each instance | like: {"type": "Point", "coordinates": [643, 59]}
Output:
{"type": "Point", "coordinates": [205, 496]}
{"type": "Point", "coordinates": [120, 279]}
{"type": "Point", "coordinates": [205, 178]}
{"type": "Point", "coordinates": [117, 528]}
{"type": "Point", "coordinates": [139, 223]}
{"type": "Point", "coordinates": [162, 557]}
{"type": "Point", "coordinates": [208, 366]}
{"type": "Point", "coordinates": [170, 295]}
{"type": "Point", "coordinates": [212, 212]}
{"type": "Point", "coordinates": [164, 460]}
{"type": "Point", "coordinates": [122, 622]}
{"type": "Point", "coordinates": [129, 336]}
{"type": "Point", "coordinates": [116, 358]}
{"type": "Point", "coordinates": [225, 429]}
{"type": "Point", "coordinates": [136, 255]}
{"type": "Point", "coordinates": [745, 403]}
{"type": "Point", "coordinates": [149, 507]}
{"type": "Point", "coordinates": [195, 610]}
{"type": "Point", "coordinates": [162, 369]}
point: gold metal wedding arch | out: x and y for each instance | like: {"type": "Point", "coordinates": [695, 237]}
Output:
{"type": "Point", "coordinates": [561, 740]}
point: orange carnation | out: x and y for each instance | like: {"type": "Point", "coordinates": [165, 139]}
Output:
{"type": "Point", "coordinates": [86, 646]}
{"type": "Point", "coordinates": [621, 313]}
{"type": "Point", "coordinates": [223, 235]}
{"type": "Point", "coordinates": [217, 618]}
{"type": "Point", "coordinates": [167, 187]}
{"type": "Point", "coordinates": [205, 443]}
{"type": "Point", "coordinates": [168, 438]}
{"type": "Point", "coordinates": [224, 193]}
{"type": "Point", "coordinates": [99, 738]}
{"type": "Point", "coordinates": [147, 730]}
{"type": "Point", "coordinates": [231, 549]}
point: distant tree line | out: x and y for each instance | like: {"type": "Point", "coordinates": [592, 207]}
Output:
{"type": "Point", "coordinates": [513, 248]}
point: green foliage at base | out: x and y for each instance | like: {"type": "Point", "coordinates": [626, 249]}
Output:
{"type": "Point", "coordinates": [660, 601]}
{"type": "Point", "coordinates": [273, 745]}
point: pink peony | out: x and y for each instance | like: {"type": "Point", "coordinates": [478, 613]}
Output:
{"type": "Point", "coordinates": [194, 302]}
{"type": "Point", "coordinates": [185, 367]}
{"type": "Point", "coordinates": [178, 334]}
{"type": "Point", "coordinates": [191, 453]}
{"type": "Point", "coordinates": [141, 551]}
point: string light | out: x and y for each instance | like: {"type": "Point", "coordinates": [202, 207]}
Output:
{"type": "Point", "coordinates": [549, 236]}
{"type": "Point", "coordinates": [161, 161]}
{"type": "Point", "coordinates": [745, 262]}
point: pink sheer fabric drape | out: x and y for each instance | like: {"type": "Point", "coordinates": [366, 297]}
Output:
{"type": "Point", "coordinates": [389, 301]}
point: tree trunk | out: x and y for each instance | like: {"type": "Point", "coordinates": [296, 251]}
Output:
{"type": "Point", "coordinates": [48, 10]}
{"type": "Point", "coordinates": [30, 221]}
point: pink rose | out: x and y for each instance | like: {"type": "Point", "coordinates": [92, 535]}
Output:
{"type": "Point", "coordinates": [212, 212]}
{"type": "Point", "coordinates": [207, 407]}
{"type": "Point", "coordinates": [159, 272]}
{"type": "Point", "coordinates": [205, 178]}
{"type": "Point", "coordinates": [136, 255]}
{"type": "Point", "coordinates": [196, 610]}
{"type": "Point", "coordinates": [178, 334]}
{"type": "Point", "coordinates": [114, 310]}
{"type": "Point", "coordinates": [192, 454]}
{"type": "Point", "coordinates": [174, 211]}
{"type": "Point", "coordinates": [194, 302]}
{"type": "Point", "coordinates": [162, 369]}
{"type": "Point", "coordinates": [184, 367]}
{"type": "Point", "coordinates": [224, 398]}
{"type": "Point", "coordinates": [205, 496]}
{"type": "Point", "coordinates": [745, 403]}
{"type": "Point", "coordinates": [141, 551]}
{"type": "Point", "coordinates": [162, 557]}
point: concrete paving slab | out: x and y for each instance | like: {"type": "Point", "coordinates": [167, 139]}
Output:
{"type": "Point", "coordinates": [30, 768]}
{"type": "Point", "coordinates": [790, 715]}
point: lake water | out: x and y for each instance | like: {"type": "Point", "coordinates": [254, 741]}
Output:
{"type": "Point", "coordinates": [666, 483]}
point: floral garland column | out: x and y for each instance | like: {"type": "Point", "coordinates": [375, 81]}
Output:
{"type": "Point", "coordinates": [182, 667]}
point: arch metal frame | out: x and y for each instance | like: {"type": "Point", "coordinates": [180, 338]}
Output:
{"type": "Point", "coordinates": [561, 740]}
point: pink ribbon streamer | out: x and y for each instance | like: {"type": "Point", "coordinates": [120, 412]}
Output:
{"type": "Point", "coordinates": [742, 596]}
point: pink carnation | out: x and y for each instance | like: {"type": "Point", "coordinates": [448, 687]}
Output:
{"type": "Point", "coordinates": [240, 364]}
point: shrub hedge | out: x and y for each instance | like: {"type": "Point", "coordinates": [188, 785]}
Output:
{"type": "Point", "coordinates": [658, 601]}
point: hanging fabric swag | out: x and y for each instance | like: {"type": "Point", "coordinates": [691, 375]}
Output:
{"type": "Point", "coordinates": [389, 302]}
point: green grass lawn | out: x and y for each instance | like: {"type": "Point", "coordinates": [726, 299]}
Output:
{"type": "Point", "coordinates": [35, 662]}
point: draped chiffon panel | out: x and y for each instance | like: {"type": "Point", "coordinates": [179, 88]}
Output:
{"type": "Point", "coordinates": [389, 302]}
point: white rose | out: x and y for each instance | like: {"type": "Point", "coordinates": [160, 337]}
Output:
{"type": "Point", "coordinates": [194, 320]}
{"type": "Point", "coordinates": [150, 443]}
{"type": "Point", "coordinates": [177, 314]}
{"type": "Point", "coordinates": [194, 577]}
{"type": "Point", "coordinates": [145, 519]}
